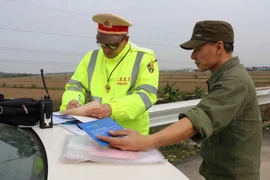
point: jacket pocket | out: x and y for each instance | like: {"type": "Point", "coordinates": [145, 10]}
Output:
{"type": "Point", "coordinates": [215, 138]}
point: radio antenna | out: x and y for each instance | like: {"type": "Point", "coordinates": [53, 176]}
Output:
{"type": "Point", "coordinates": [45, 87]}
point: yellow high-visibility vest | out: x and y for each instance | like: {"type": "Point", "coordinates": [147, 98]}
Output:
{"type": "Point", "coordinates": [133, 78]}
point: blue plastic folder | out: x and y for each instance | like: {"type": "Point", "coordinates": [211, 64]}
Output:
{"type": "Point", "coordinates": [100, 127]}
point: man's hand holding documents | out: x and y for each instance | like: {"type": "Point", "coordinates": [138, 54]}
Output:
{"type": "Point", "coordinates": [100, 128]}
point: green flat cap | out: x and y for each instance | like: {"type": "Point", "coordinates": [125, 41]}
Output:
{"type": "Point", "coordinates": [209, 31]}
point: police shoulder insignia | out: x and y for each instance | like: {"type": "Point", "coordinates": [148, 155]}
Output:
{"type": "Point", "coordinates": [150, 67]}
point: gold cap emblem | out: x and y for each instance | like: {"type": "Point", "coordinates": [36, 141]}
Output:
{"type": "Point", "coordinates": [107, 24]}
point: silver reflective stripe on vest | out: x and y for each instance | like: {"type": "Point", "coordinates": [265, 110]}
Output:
{"type": "Point", "coordinates": [74, 88]}
{"type": "Point", "coordinates": [79, 87]}
{"type": "Point", "coordinates": [135, 71]}
{"type": "Point", "coordinates": [99, 99]}
{"type": "Point", "coordinates": [145, 99]}
{"type": "Point", "coordinates": [148, 88]}
{"type": "Point", "coordinates": [91, 66]}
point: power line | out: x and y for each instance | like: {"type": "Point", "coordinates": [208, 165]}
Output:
{"type": "Point", "coordinates": [165, 45]}
{"type": "Point", "coordinates": [67, 64]}
{"type": "Point", "coordinates": [85, 15]}
{"type": "Point", "coordinates": [88, 37]}
{"type": "Point", "coordinates": [147, 27]}
{"type": "Point", "coordinates": [76, 36]}
{"type": "Point", "coordinates": [48, 33]}
{"type": "Point", "coordinates": [53, 63]}
{"type": "Point", "coordinates": [40, 51]}
{"type": "Point", "coordinates": [39, 62]}
{"type": "Point", "coordinates": [54, 9]}
{"type": "Point", "coordinates": [81, 54]}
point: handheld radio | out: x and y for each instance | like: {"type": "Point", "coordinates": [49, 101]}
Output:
{"type": "Point", "coordinates": [45, 108]}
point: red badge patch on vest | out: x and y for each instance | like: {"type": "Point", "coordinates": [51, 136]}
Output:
{"type": "Point", "coordinates": [150, 67]}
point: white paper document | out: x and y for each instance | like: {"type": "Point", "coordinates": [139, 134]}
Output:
{"type": "Point", "coordinates": [84, 118]}
{"type": "Point", "coordinates": [81, 110]}
{"type": "Point", "coordinates": [59, 119]}
{"type": "Point", "coordinates": [74, 129]}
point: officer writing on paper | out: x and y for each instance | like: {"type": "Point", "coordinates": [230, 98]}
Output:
{"type": "Point", "coordinates": [121, 76]}
{"type": "Point", "coordinates": [227, 121]}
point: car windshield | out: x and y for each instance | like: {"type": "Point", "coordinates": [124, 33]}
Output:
{"type": "Point", "coordinates": [22, 155]}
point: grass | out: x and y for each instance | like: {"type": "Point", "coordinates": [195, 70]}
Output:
{"type": "Point", "coordinates": [179, 151]}
{"type": "Point", "coordinates": [266, 126]}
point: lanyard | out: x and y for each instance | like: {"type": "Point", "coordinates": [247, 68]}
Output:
{"type": "Point", "coordinates": [107, 87]}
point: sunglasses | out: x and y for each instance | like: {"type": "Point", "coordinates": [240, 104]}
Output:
{"type": "Point", "coordinates": [111, 46]}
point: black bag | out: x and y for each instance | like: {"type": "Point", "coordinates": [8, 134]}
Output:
{"type": "Point", "coordinates": [19, 111]}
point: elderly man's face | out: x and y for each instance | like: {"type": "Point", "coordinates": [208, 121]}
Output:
{"type": "Point", "coordinates": [207, 57]}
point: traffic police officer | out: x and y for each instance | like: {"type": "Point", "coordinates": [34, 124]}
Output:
{"type": "Point", "coordinates": [121, 76]}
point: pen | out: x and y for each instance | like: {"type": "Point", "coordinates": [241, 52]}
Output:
{"type": "Point", "coordinates": [79, 99]}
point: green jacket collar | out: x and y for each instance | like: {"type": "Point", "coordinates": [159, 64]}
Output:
{"type": "Point", "coordinates": [227, 65]}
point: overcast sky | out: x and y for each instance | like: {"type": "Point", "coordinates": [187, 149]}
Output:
{"type": "Point", "coordinates": [56, 34]}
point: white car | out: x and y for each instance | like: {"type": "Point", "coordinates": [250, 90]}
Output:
{"type": "Point", "coordinates": [22, 154]}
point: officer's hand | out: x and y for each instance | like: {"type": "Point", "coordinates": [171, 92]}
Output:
{"type": "Point", "coordinates": [132, 140]}
{"type": "Point", "coordinates": [104, 111]}
{"type": "Point", "coordinates": [72, 104]}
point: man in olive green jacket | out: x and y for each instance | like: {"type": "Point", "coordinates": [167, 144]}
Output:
{"type": "Point", "coordinates": [227, 121]}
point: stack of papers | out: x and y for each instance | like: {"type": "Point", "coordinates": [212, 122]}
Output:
{"type": "Point", "coordinates": [70, 122]}
{"type": "Point", "coordinates": [59, 118]}
{"type": "Point", "coordinates": [83, 148]}
{"type": "Point", "coordinates": [86, 146]}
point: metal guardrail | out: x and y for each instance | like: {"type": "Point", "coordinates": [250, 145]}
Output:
{"type": "Point", "coordinates": [164, 114]}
